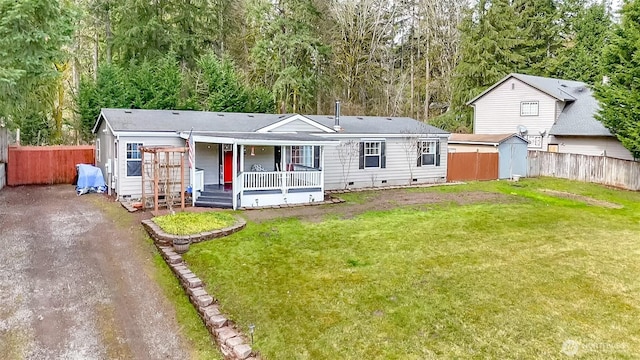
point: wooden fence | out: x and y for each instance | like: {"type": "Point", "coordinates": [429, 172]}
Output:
{"type": "Point", "coordinates": [30, 165]}
{"type": "Point", "coordinates": [472, 166]}
{"type": "Point", "coordinates": [604, 170]}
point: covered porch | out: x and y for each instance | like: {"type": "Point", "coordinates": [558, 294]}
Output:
{"type": "Point", "coordinates": [257, 169]}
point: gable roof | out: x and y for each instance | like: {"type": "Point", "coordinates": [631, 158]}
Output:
{"type": "Point", "coordinates": [483, 139]}
{"type": "Point", "coordinates": [139, 120]}
{"type": "Point", "coordinates": [556, 88]}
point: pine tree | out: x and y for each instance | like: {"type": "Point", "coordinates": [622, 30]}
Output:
{"type": "Point", "coordinates": [538, 28]}
{"type": "Point", "coordinates": [620, 98]}
{"type": "Point", "coordinates": [587, 34]}
{"type": "Point", "coordinates": [490, 41]}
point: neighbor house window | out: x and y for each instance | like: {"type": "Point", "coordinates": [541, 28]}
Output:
{"type": "Point", "coordinates": [529, 108]}
{"type": "Point", "coordinates": [97, 150]}
{"type": "Point", "coordinates": [134, 159]}
{"type": "Point", "coordinates": [301, 155]}
{"type": "Point", "coordinates": [428, 152]}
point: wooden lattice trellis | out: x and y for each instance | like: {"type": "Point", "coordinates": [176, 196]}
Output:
{"type": "Point", "coordinates": [163, 176]}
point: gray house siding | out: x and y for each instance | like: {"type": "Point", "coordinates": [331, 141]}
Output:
{"type": "Point", "coordinates": [397, 171]}
{"type": "Point", "coordinates": [207, 159]}
{"type": "Point", "coordinates": [263, 156]}
{"type": "Point", "coordinates": [131, 186]}
{"type": "Point", "coordinates": [592, 145]}
{"type": "Point", "coordinates": [498, 111]}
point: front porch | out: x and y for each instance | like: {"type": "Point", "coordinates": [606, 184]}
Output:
{"type": "Point", "coordinates": [231, 172]}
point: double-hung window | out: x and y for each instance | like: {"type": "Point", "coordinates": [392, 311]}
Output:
{"type": "Point", "coordinates": [428, 152]}
{"type": "Point", "coordinates": [134, 159]}
{"type": "Point", "coordinates": [529, 108]}
{"type": "Point", "coordinates": [372, 152]}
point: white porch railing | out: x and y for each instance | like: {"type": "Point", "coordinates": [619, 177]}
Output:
{"type": "Point", "coordinates": [275, 180]}
{"type": "Point", "coordinates": [303, 179]}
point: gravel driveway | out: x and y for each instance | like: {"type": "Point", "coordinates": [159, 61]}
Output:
{"type": "Point", "coordinates": [76, 284]}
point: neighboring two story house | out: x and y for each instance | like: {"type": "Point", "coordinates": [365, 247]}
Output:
{"type": "Point", "coordinates": [552, 114]}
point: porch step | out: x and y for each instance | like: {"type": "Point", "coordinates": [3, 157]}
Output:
{"type": "Point", "coordinates": [214, 204]}
{"type": "Point", "coordinates": [214, 197]}
{"type": "Point", "coordinates": [220, 194]}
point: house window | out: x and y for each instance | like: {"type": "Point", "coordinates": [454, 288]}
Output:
{"type": "Point", "coordinates": [134, 159]}
{"type": "Point", "coordinates": [301, 155]}
{"type": "Point", "coordinates": [529, 108]}
{"type": "Point", "coordinates": [372, 154]}
{"type": "Point", "coordinates": [97, 150]}
{"type": "Point", "coordinates": [428, 152]}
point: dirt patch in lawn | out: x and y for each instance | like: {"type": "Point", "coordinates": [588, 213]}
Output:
{"type": "Point", "coordinates": [376, 200]}
{"type": "Point", "coordinates": [582, 198]}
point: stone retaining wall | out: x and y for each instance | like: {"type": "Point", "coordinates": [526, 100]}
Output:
{"type": "Point", "coordinates": [163, 238]}
{"type": "Point", "coordinates": [232, 343]}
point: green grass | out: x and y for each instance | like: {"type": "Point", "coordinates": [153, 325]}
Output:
{"type": "Point", "coordinates": [186, 223]}
{"type": "Point", "coordinates": [509, 280]}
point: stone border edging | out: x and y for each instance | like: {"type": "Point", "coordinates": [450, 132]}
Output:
{"type": "Point", "coordinates": [163, 238]}
{"type": "Point", "coordinates": [232, 344]}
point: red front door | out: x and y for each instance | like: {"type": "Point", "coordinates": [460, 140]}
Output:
{"type": "Point", "coordinates": [228, 167]}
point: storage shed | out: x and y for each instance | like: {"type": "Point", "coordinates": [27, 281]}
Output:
{"type": "Point", "coordinates": [512, 149]}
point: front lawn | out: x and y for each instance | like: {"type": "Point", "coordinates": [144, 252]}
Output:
{"type": "Point", "coordinates": [514, 278]}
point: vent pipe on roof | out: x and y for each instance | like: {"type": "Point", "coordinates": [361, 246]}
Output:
{"type": "Point", "coordinates": [336, 126]}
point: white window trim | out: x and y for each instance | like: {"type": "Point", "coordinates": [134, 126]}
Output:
{"type": "Point", "coordinates": [97, 150]}
{"type": "Point", "coordinates": [423, 152]}
{"type": "Point", "coordinates": [379, 155]}
{"type": "Point", "coordinates": [311, 149]}
{"type": "Point", "coordinates": [126, 159]}
{"type": "Point", "coordinates": [530, 104]}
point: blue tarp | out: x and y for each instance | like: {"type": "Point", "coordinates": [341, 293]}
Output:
{"type": "Point", "coordinates": [90, 179]}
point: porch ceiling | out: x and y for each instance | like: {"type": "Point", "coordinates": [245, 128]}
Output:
{"type": "Point", "coordinates": [260, 138]}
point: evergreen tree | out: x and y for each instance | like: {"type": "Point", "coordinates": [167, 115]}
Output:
{"type": "Point", "coordinates": [620, 98]}
{"type": "Point", "coordinates": [288, 54]}
{"type": "Point", "coordinates": [538, 28]}
{"type": "Point", "coordinates": [33, 34]}
{"type": "Point", "coordinates": [588, 33]}
{"type": "Point", "coordinates": [489, 51]}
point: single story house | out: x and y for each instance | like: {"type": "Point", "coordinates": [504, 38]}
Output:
{"type": "Point", "coordinates": [511, 149]}
{"type": "Point", "coordinates": [245, 160]}
{"type": "Point", "coordinates": [552, 114]}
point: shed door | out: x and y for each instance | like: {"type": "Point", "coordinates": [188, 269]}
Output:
{"type": "Point", "coordinates": [513, 159]}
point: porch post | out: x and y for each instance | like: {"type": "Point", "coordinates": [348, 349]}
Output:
{"type": "Point", "coordinates": [322, 171]}
{"type": "Point", "coordinates": [241, 170]}
{"type": "Point", "coordinates": [234, 175]}
{"type": "Point", "coordinates": [283, 160]}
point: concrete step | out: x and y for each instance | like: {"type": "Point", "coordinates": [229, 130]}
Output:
{"type": "Point", "coordinates": [215, 198]}
{"type": "Point", "coordinates": [214, 204]}
{"type": "Point", "coordinates": [221, 194]}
